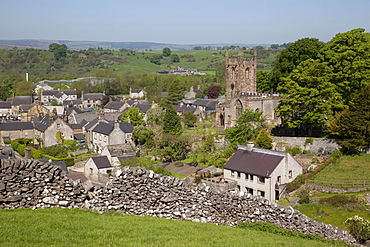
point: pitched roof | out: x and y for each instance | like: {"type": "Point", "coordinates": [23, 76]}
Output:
{"type": "Point", "coordinates": [56, 92]}
{"type": "Point", "coordinates": [143, 107]}
{"type": "Point", "coordinates": [101, 162]}
{"type": "Point", "coordinates": [5, 105]}
{"type": "Point", "coordinates": [93, 96]}
{"type": "Point", "coordinates": [91, 124]}
{"type": "Point", "coordinates": [103, 128]}
{"type": "Point", "coordinates": [258, 162]}
{"type": "Point", "coordinates": [22, 100]}
{"type": "Point", "coordinates": [136, 90]}
{"type": "Point", "coordinates": [126, 127]}
{"type": "Point", "coordinates": [43, 124]}
{"type": "Point", "coordinates": [16, 126]}
{"type": "Point", "coordinates": [73, 108]}
{"type": "Point", "coordinates": [114, 105]}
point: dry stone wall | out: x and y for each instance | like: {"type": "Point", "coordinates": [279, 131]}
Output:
{"type": "Point", "coordinates": [136, 191]}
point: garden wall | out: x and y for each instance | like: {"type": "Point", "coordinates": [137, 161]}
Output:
{"type": "Point", "coordinates": [136, 191]}
{"type": "Point", "coordinates": [318, 143]}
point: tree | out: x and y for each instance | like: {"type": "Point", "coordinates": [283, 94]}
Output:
{"type": "Point", "coordinates": [134, 116]}
{"type": "Point", "coordinates": [175, 93]}
{"type": "Point", "coordinates": [156, 59]}
{"type": "Point", "coordinates": [175, 58]}
{"type": "Point", "coordinates": [213, 92]}
{"type": "Point", "coordinates": [143, 135]}
{"type": "Point", "coordinates": [353, 124]}
{"type": "Point", "coordinates": [291, 57]}
{"type": "Point", "coordinates": [174, 147]}
{"type": "Point", "coordinates": [166, 52]}
{"type": "Point", "coordinates": [264, 139]}
{"type": "Point", "coordinates": [309, 99]}
{"type": "Point", "coordinates": [248, 125]}
{"type": "Point", "coordinates": [155, 115]}
{"type": "Point", "coordinates": [189, 119]}
{"type": "Point", "coordinates": [349, 56]}
{"type": "Point", "coordinates": [264, 81]}
{"type": "Point", "coordinates": [171, 121]}
{"type": "Point", "coordinates": [59, 51]}
{"type": "Point", "coordinates": [24, 88]}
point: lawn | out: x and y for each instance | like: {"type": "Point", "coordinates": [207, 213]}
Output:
{"type": "Point", "coordinates": [66, 227]}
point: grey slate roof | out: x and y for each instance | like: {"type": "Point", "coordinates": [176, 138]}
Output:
{"type": "Point", "coordinates": [91, 124]}
{"type": "Point", "coordinates": [43, 124]}
{"type": "Point", "coordinates": [55, 92]}
{"type": "Point", "coordinates": [101, 162]}
{"type": "Point", "coordinates": [22, 100]}
{"type": "Point", "coordinates": [16, 126]}
{"type": "Point", "coordinates": [114, 105]}
{"type": "Point", "coordinates": [69, 110]}
{"type": "Point", "coordinates": [103, 128]}
{"type": "Point", "coordinates": [5, 105]}
{"type": "Point", "coordinates": [258, 162]}
{"type": "Point", "coordinates": [143, 107]}
{"type": "Point", "coordinates": [92, 96]}
{"type": "Point", "coordinates": [126, 127]}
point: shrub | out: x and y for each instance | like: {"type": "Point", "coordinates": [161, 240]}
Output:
{"type": "Point", "coordinates": [197, 180]}
{"type": "Point", "coordinates": [344, 201]}
{"type": "Point", "coordinates": [296, 183]}
{"type": "Point", "coordinates": [336, 154]}
{"type": "Point", "coordinates": [358, 228]}
{"type": "Point", "coordinates": [304, 197]}
{"type": "Point", "coordinates": [293, 150]}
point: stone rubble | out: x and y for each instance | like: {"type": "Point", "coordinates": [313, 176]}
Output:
{"type": "Point", "coordinates": [137, 191]}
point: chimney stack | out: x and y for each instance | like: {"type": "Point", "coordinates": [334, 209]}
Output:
{"type": "Point", "coordinates": [250, 146]}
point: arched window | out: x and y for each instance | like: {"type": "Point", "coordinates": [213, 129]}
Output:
{"type": "Point", "coordinates": [247, 73]}
{"type": "Point", "coordinates": [238, 108]}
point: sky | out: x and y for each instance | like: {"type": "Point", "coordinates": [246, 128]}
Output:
{"type": "Point", "coordinates": [182, 22]}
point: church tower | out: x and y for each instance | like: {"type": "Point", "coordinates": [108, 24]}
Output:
{"type": "Point", "coordinates": [241, 74]}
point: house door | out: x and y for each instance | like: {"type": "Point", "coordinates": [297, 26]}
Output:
{"type": "Point", "coordinates": [276, 195]}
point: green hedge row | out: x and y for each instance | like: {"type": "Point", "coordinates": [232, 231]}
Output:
{"type": "Point", "coordinates": [20, 144]}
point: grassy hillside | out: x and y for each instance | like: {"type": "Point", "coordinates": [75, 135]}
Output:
{"type": "Point", "coordinates": [64, 227]}
{"type": "Point", "coordinates": [41, 64]}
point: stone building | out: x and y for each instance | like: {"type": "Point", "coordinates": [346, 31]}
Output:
{"type": "Point", "coordinates": [262, 172]}
{"type": "Point", "coordinates": [241, 93]}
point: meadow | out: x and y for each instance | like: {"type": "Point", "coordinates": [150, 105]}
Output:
{"type": "Point", "coordinates": [72, 227]}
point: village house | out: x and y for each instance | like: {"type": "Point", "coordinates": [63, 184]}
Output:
{"type": "Point", "coordinates": [51, 130]}
{"type": "Point", "coordinates": [21, 103]}
{"type": "Point", "coordinates": [118, 152]}
{"type": "Point", "coordinates": [262, 172]}
{"type": "Point", "coordinates": [108, 134]}
{"type": "Point", "coordinates": [92, 99]}
{"type": "Point", "coordinates": [15, 130]}
{"type": "Point", "coordinates": [98, 169]}
{"type": "Point", "coordinates": [5, 109]}
{"type": "Point", "coordinates": [58, 95]}
{"type": "Point", "coordinates": [137, 93]}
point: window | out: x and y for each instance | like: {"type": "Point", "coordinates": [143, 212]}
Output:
{"type": "Point", "coordinates": [290, 174]}
{"type": "Point", "coordinates": [99, 137]}
{"type": "Point", "coordinates": [246, 176]}
{"type": "Point", "coordinates": [232, 173]}
{"type": "Point", "coordinates": [95, 135]}
{"type": "Point", "coordinates": [261, 180]}
{"type": "Point", "coordinates": [58, 126]}
{"type": "Point", "coordinates": [249, 190]}
{"type": "Point", "coordinates": [238, 174]}
{"type": "Point", "coordinates": [105, 138]}
{"type": "Point", "coordinates": [251, 177]}
{"type": "Point", "coordinates": [278, 180]}
{"type": "Point", "coordinates": [238, 187]}
{"type": "Point", "coordinates": [62, 134]}
{"type": "Point", "coordinates": [261, 193]}
{"type": "Point", "coordinates": [91, 171]}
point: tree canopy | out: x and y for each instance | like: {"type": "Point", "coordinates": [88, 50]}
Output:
{"type": "Point", "coordinates": [166, 52]}
{"type": "Point", "coordinates": [353, 124]}
{"type": "Point", "coordinates": [134, 116]}
{"type": "Point", "coordinates": [59, 51]}
{"type": "Point", "coordinates": [248, 125]}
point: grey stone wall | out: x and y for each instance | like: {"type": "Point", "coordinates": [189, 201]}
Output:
{"type": "Point", "coordinates": [281, 142]}
{"type": "Point", "coordinates": [136, 191]}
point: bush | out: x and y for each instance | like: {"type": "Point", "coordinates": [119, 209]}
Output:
{"type": "Point", "coordinates": [336, 154]}
{"type": "Point", "coordinates": [293, 150]}
{"type": "Point", "coordinates": [344, 201]}
{"type": "Point", "coordinates": [296, 183]}
{"type": "Point", "coordinates": [358, 228]}
{"type": "Point", "coordinates": [304, 197]}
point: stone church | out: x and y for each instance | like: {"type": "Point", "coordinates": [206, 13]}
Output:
{"type": "Point", "coordinates": [241, 93]}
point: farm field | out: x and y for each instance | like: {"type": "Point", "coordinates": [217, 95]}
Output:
{"type": "Point", "coordinates": [66, 227]}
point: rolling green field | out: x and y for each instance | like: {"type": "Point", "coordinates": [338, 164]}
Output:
{"type": "Point", "coordinates": [356, 167]}
{"type": "Point", "coordinates": [65, 227]}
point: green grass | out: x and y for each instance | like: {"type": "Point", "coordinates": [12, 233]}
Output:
{"type": "Point", "coordinates": [355, 167]}
{"type": "Point", "coordinates": [331, 215]}
{"type": "Point", "coordinates": [65, 227]}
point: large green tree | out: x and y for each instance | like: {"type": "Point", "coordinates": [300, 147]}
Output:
{"type": "Point", "coordinates": [291, 57]}
{"type": "Point", "coordinates": [353, 124]}
{"type": "Point", "coordinates": [248, 125]}
{"type": "Point", "coordinates": [175, 93]}
{"type": "Point", "coordinates": [309, 99]}
{"type": "Point", "coordinates": [59, 51]}
{"type": "Point", "coordinates": [166, 52]}
{"type": "Point", "coordinates": [349, 55]}
{"type": "Point", "coordinates": [134, 116]}
{"type": "Point", "coordinates": [143, 135]}
{"type": "Point", "coordinates": [171, 121]}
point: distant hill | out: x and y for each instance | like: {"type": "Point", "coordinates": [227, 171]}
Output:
{"type": "Point", "coordinates": [83, 45]}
